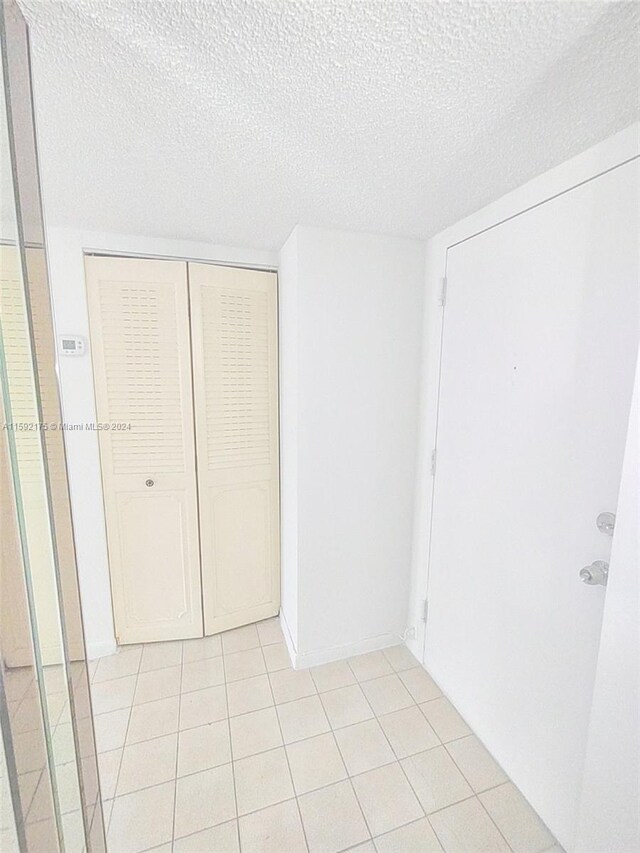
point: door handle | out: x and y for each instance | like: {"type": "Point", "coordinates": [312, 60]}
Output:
{"type": "Point", "coordinates": [595, 574]}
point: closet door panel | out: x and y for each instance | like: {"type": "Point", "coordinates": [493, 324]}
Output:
{"type": "Point", "coordinates": [154, 535]}
{"type": "Point", "coordinates": [141, 359]}
{"type": "Point", "coordinates": [242, 547]}
{"type": "Point", "coordinates": [234, 329]}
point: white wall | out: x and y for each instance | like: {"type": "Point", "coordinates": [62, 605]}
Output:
{"type": "Point", "coordinates": [609, 815]}
{"type": "Point", "coordinates": [350, 332]}
{"type": "Point", "coordinates": [65, 247]}
{"type": "Point", "coordinates": [350, 349]}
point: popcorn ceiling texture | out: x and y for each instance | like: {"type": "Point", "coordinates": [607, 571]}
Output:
{"type": "Point", "coordinates": [233, 120]}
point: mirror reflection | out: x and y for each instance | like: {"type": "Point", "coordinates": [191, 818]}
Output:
{"type": "Point", "coordinates": [49, 782]}
{"type": "Point", "coordinates": [27, 792]}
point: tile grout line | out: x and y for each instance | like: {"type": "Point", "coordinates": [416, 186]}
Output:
{"type": "Point", "coordinates": [33, 795]}
{"type": "Point", "coordinates": [233, 769]}
{"type": "Point", "coordinates": [404, 772]}
{"type": "Point", "coordinates": [476, 793]}
{"type": "Point", "coordinates": [330, 785]}
{"type": "Point", "coordinates": [442, 744]}
{"type": "Point", "coordinates": [311, 790]}
{"type": "Point", "coordinates": [358, 682]}
{"type": "Point", "coordinates": [353, 789]}
{"type": "Point", "coordinates": [406, 775]}
{"type": "Point", "coordinates": [488, 813]}
{"type": "Point", "coordinates": [286, 754]}
{"type": "Point", "coordinates": [287, 702]}
{"type": "Point", "coordinates": [238, 680]}
{"type": "Point", "coordinates": [124, 744]}
{"type": "Point", "coordinates": [399, 762]}
{"type": "Point", "coordinates": [175, 775]}
{"type": "Point", "coordinates": [404, 826]}
{"type": "Point", "coordinates": [230, 819]}
{"type": "Point", "coordinates": [471, 733]}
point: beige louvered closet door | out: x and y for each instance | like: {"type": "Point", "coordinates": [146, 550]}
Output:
{"type": "Point", "coordinates": [141, 360]}
{"type": "Point", "coordinates": [234, 339]}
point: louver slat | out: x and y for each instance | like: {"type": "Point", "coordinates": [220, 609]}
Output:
{"type": "Point", "coordinates": [142, 377]}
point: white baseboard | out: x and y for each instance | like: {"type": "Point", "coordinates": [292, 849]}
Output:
{"type": "Point", "coordinates": [414, 647]}
{"type": "Point", "coordinates": [288, 640]}
{"type": "Point", "coordinates": [304, 660]}
{"type": "Point", "coordinates": [101, 650]}
{"type": "Point", "coordinates": [299, 660]}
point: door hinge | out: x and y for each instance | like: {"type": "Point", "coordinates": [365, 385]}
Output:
{"type": "Point", "coordinates": [443, 292]}
{"type": "Point", "coordinates": [425, 609]}
{"type": "Point", "coordinates": [433, 463]}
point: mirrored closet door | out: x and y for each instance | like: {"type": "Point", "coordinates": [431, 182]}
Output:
{"type": "Point", "coordinates": [49, 777]}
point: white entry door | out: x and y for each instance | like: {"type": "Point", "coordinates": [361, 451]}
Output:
{"type": "Point", "coordinates": [540, 336]}
{"type": "Point", "coordinates": [235, 381]}
{"type": "Point", "coordinates": [141, 360]}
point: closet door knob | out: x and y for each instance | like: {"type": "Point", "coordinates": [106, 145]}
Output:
{"type": "Point", "coordinates": [149, 483]}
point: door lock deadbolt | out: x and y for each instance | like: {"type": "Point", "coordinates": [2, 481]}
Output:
{"type": "Point", "coordinates": [606, 523]}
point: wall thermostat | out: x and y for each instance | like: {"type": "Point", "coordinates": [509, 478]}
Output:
{"type": "Point", "coordinates": [71, 345]}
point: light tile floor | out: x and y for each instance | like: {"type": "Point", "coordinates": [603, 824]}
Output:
{"type": "Point", "coordinates": [217, 745]}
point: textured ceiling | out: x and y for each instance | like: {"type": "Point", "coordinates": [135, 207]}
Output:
{"type": "Point", "coordinates": [232, 120]}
